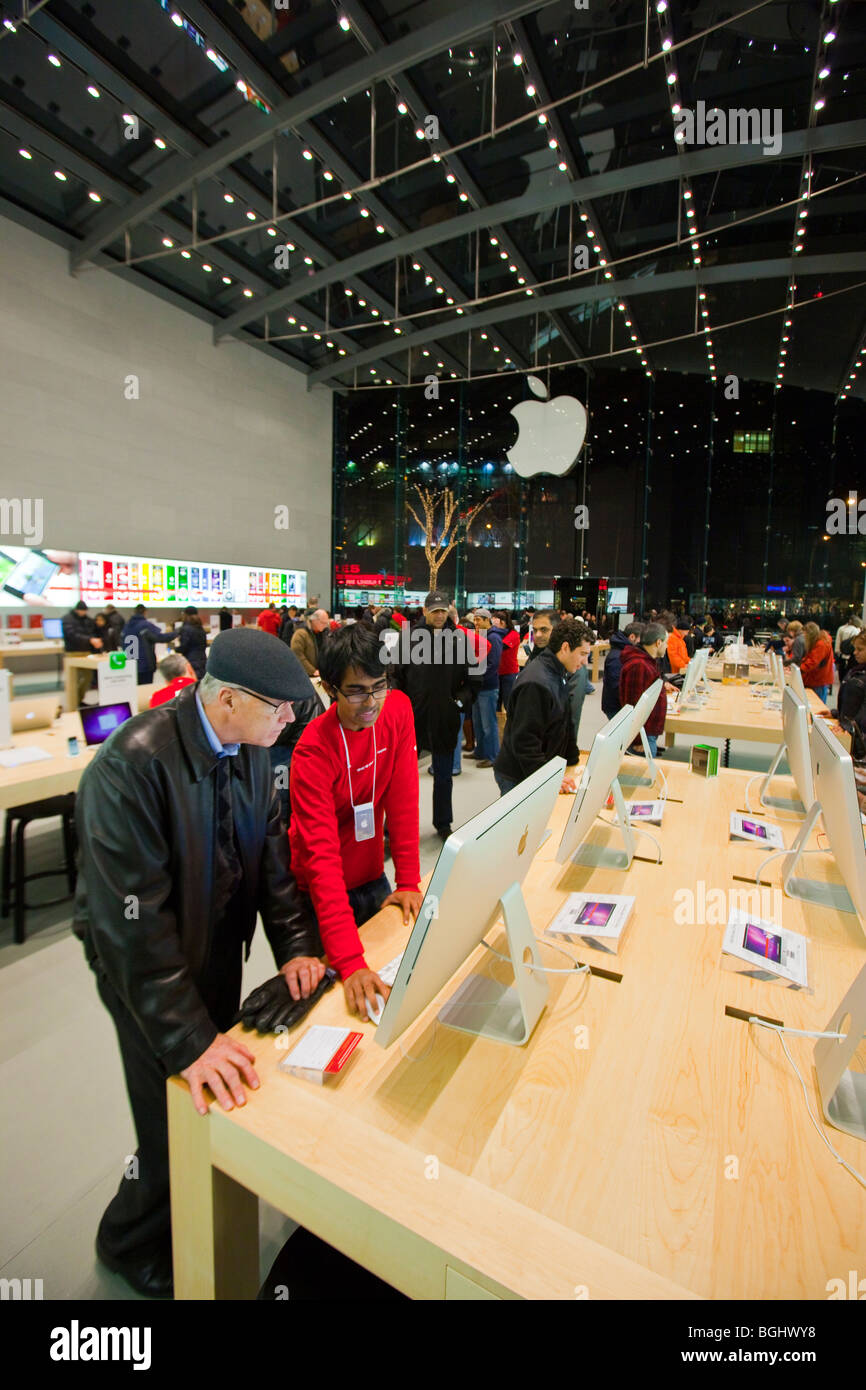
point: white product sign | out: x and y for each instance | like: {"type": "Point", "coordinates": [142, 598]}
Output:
{"type": "Point", "coordinates": [118, 684]}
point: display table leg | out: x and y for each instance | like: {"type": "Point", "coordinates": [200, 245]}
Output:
{"type": "Point", "coordinates": [727, 752]}
{"type": "Point", "coordinates": [214, 1220]}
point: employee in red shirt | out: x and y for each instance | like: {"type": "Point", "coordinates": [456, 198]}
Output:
{"type": "Point", "coordinates": [176, 670]}
{"type": "Point", "coordinates": [508, 667]}
{"type": "Point", "coordinates": [351, 767]}
{"type": "Point", "coordinates": [270, 620]}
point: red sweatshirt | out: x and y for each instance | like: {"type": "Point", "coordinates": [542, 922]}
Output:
{"type": "Point", "coordinates": [269, 620]}
{"type": "Point", "coordinates": [816, 668]}
{"type": "Point", "coordinates": [510, 642]}
{"type": "Point", "coordinates": [327, 860]}
{"type": "Point", "coordinates": [636, 674]}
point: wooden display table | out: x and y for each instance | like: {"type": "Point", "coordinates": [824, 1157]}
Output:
{"type": "Point", "coordinates": [36, 781]}
{"type": "Point", "coordinates": [731, 711]}
{"type": "Point", "coordinates": [642, 1145]}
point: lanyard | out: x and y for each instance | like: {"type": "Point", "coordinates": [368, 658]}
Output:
{"type": "Point", "coordinates": [349, 770]}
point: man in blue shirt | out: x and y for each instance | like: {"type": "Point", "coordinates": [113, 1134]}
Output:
{"type": "Point", "coordinates": [484, 713]}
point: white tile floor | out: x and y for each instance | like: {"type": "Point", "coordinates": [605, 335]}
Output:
{"type": "Point", "coordinates": [65, 1118]}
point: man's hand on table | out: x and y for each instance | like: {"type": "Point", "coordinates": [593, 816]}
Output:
{"type": "Point", "coordinates": [568, 784]}
{"type": "Point", "coordinates": [221, 1068]}
{"type": "Point", "coordinates": [302, 975]}
{"type": "Point", "coordinates": [407, 901]}
{"type": "Point", "coordinates": [364, 984]}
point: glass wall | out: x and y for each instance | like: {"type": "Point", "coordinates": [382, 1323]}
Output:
{"type": "Point", "coordinates": [691, 491]}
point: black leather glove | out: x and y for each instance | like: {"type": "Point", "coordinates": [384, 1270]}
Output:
{"type": "Point", "coordinates": [271, 1005]}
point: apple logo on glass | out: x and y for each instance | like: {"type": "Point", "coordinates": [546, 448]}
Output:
{"type": "Point", "coordinates": [551, 433]}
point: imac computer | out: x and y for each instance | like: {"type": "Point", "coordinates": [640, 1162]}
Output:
{"type": "Point", "coordinates": [52, 629]}
{"type": "Point", "coordinates": [477, 879]}
{"type": "Point", "coordinates": [836, 803]}
{"type": "Point", "coordinates": [642, 711]}
{"type": "Point", "coordinates": [695, 675]}
{"type": "Point", "coordinates": [795, 677]}
{"type": "Point", "coordinates": [599, 778]}
{"type": "Point", "coordinates": [795, 747]}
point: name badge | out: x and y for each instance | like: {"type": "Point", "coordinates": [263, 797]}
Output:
{"type": "Point", "coordinates": [365, 821]}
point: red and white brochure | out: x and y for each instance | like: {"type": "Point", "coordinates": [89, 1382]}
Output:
{"type": "Point", "coordinates": [321, 1052]}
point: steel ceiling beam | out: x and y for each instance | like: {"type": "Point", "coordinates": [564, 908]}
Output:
{"type": "Point", "coordinates": [270, 88]}
{"type": "Point", "coordinates": [657, 171]}
{"type": "Point", "coordinates": [71, 46]}
{"type": "Point", "coordinates": [255, 128]}
{"type": "Point", "coordinates": [771, 269]}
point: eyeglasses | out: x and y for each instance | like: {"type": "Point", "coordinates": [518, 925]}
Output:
{"type": "Point", "coordinates": [376, 693]}
{"type": "Point", "coordinates": [281, 705]}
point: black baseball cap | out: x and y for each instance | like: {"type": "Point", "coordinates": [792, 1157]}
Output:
{"type": "Point", "coordinates": [437, 598]}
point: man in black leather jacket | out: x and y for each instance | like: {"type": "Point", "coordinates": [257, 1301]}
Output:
{"type": "Point", "coordinates": [181, 847]}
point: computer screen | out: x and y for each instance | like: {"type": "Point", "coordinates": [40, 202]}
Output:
{"type": "Point", "coordinates": [100, 721]}
{"type": "Point", "coordinates": [52, 629]}
{"type": "Point", "coordinates": [479, 864]}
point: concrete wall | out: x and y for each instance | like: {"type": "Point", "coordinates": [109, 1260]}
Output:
{"type": "Point", "coordinates": [194, 468]}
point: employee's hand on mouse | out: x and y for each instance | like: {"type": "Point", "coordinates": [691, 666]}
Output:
{"type": "Point", "coordinates": [224, 1067]}
{"type": "Point", "coordinates": [408, 902]}
{"type": "Point", "coordinates": [364, 984]}
{"type": "Point", "coordinates": [568, 784]}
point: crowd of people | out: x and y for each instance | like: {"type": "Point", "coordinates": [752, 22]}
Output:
{"type": "Point", "coordinates": [177, 813]}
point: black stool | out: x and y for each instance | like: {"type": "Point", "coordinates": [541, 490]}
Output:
{"type": "Point", "coordinates": [17, 820]}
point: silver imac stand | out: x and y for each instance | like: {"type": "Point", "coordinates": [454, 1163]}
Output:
{"type": "Point", "coordinates": [809, 890]}
{"type": "Point", "coordinates": [505, 1013]}
{"type": "Point", "coordinates": [843, 1092]}
{"type": "Point", "coordinates": [626, 779]}
{"type": "Point", "coordinates": [600, 856]}
{"type": "Point", "coordinates": [781, 803]}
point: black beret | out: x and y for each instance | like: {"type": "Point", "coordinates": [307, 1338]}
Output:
{"type": "Point", "coordinates": [252, 657]}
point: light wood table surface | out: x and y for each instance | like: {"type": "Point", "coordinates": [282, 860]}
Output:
{"type": "Point", "coordinates": [36, 781]}
{"type": "Point", "coordinates": [10, 650]}
{"type": "Point", "coordinates": [732, 711]}
{"type": "Point", "coordinates": [598, 648]}
{"type": "Point", "coordinates": [642, 1145]}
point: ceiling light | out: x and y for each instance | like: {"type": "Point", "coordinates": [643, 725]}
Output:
{"type": "Point", "coordinates": [661, 6]}
{"type": "Point", "coordinates": [159, 142]}
{"type": "Point", "coordinates": [380, 229]}
{"type": "Point", "coordinates": [402, 108]}
{"type": "Point", "coordinates": [679, 134]}
{"type": "Point", "coordinates": [419, 134]}
{"type": "Point", "coordinates": [207, 267]}
{"type": "Point", "coordinates": [344, 24]}
{"type": "Point", "coordinates": [177, 19]}
{"type": "Point", "coordinates": [666, 44]}
{"type": "Point", "coordinates": [308, 260]}
{"type": "Point", "coordinates": [59, 174]}
{"type": "Point", "coordinates": [530, 90]}
{"type": "Point", "coordinates": [562, 167]}
{"type": "Point", "coordinates": [308, 154]}
{"type": "Point", "coordinates": [54, 60]}
{"type": "Point", "coordinates": [828, 37]}
{"type": "Point", "coordinates": [676, 109]}
{"type": "Point", "coordinates": [272, 231]}
{"type": "Point", "coordinates": [227, 279]}
{"type": "Point", "coordinates": [167, 241]}
{"type": "Point", "coordinates": [672, 77]}
{"type": "Point", "coordinates": [187, 254]}
{"type": "Point", "coordinates": [292, 319]}
{"type": "Point", "coordinates": [553, 144]}
{"type": "Point", "coordinates": [25, 154]}
{"type": "Point", "coordinates": [464, 197]}
{"type": "Point", "coordinates": [348, 197]}
{"type": "Point", "coordinates": [342, 352]}
{"type": "Point", "coordinates": [542, 119]}
{"type": "Point", "coordinates": [94, 91]}
{"type": "Point", "coordinates": [94, 197]}
{"type": "Point", "coordinates": [248, 294]}
{"type": "Point", "coordinates": [825, 72]}
{"type": "Point", "coordinates": [820, 104]}
{"type": "Point", "coordinates": [364, 212]}
{"type": "Point", "coordinates": [518, 60]}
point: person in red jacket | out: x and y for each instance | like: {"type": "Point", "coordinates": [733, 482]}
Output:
{"type": "Point", "coordinates": [176, 670]}
{"type": "Point", "coordinates": [816, 668]}
{"type": "Point", "coordinates": [353, 766]}
{"type": "Point", "coordinates": [270, 620]}
{"type": "Point", "coordinates": [508, 667]}
{"type": "Point", "coordinates": [639, 670]}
